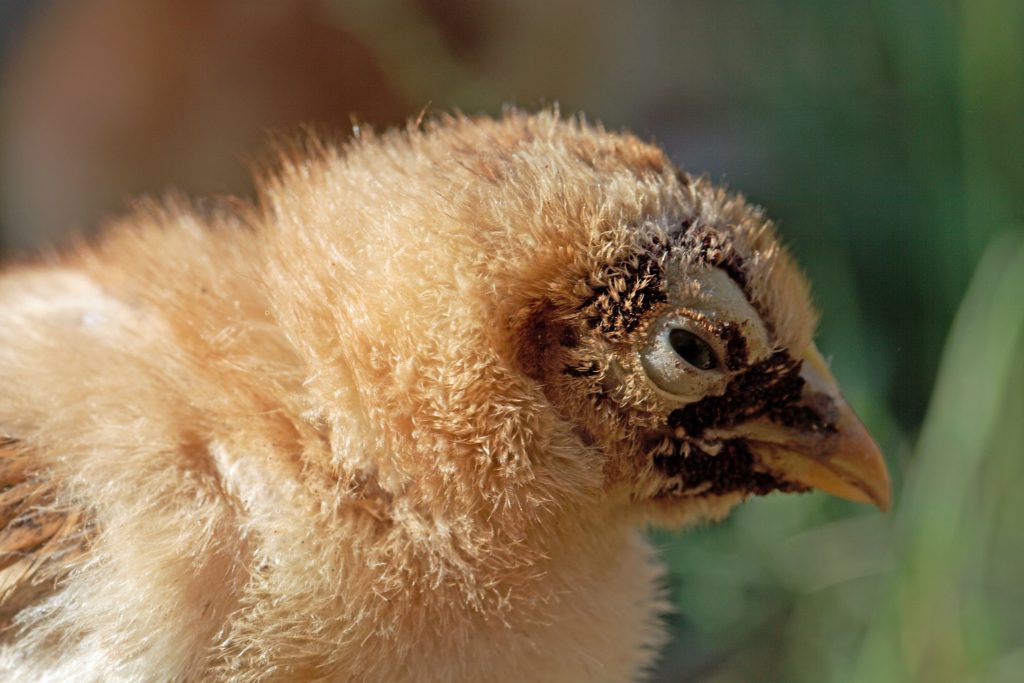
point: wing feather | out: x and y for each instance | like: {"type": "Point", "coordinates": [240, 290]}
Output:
{"type": "Point", "coordinates": [38, 541]}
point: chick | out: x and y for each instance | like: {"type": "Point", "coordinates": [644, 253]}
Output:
{"type": "Point", "coordinates": [402, 418]}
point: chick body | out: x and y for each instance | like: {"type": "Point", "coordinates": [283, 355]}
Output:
{"type": "Point", "coordinates": [371, 427]}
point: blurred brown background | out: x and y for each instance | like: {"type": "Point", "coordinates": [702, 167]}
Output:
{"type": "Point", "coordinates": [886, 137]}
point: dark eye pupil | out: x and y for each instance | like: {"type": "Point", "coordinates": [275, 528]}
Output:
{"type": "Point", "coordinates": [692, 349]}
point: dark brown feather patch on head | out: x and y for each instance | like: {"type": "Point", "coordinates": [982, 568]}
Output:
{"type": "Point", "coordinates": [618, 307]}
{"type": "Point", "coordinates": [736, 354]}
{"type": "Point", "coordinates": [771, 388]}
{"type": "Point", "coordinates": [715, 248]}
{"type": "Point", "coordinates": [731, 470]}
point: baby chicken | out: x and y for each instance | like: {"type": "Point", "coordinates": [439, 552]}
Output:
{"type": "Point", "coordinates": [401, 419]}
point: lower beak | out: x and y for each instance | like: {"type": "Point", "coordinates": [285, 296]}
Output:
{"type": "Point", "coordinates": [840, 458]}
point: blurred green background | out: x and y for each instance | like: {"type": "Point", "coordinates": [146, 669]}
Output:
{"type": "Point", "coordinates": [887, 138]}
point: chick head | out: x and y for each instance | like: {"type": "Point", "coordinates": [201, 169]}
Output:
{"type": "Point", "coordinates": [637, 319]}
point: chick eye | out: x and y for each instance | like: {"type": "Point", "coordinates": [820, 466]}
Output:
{"type": "Point", "coordinates": [692, 349]}
{"type": "Point", "coordinates": [678, 360]}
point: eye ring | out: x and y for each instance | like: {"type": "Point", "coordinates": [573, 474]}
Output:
{"type": "Point", "coordinates": [692, 349]}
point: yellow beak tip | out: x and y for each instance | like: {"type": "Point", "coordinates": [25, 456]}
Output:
{"type": "Point", "coordinates": [846, 464]}
{"type": "Point", "coordinates": [843, 461]}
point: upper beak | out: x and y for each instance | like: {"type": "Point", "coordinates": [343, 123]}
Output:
{"type": "Point", "coordinates": [845, 461]}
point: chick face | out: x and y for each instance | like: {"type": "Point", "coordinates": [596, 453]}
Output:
{"type": "Point", "coordinates": [687, 361]}
{"type": "Point", "coordinates": [677, 376]}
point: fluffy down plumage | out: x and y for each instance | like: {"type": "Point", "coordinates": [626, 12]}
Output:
{"type": "Point", "coordinates": [401, 419]}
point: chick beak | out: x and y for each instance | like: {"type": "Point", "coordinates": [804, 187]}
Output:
{"type": "Point", "coordinates": [844, 461]}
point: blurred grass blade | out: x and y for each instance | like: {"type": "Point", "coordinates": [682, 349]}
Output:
{"type": "Point", "coordinates": [920, 631]}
